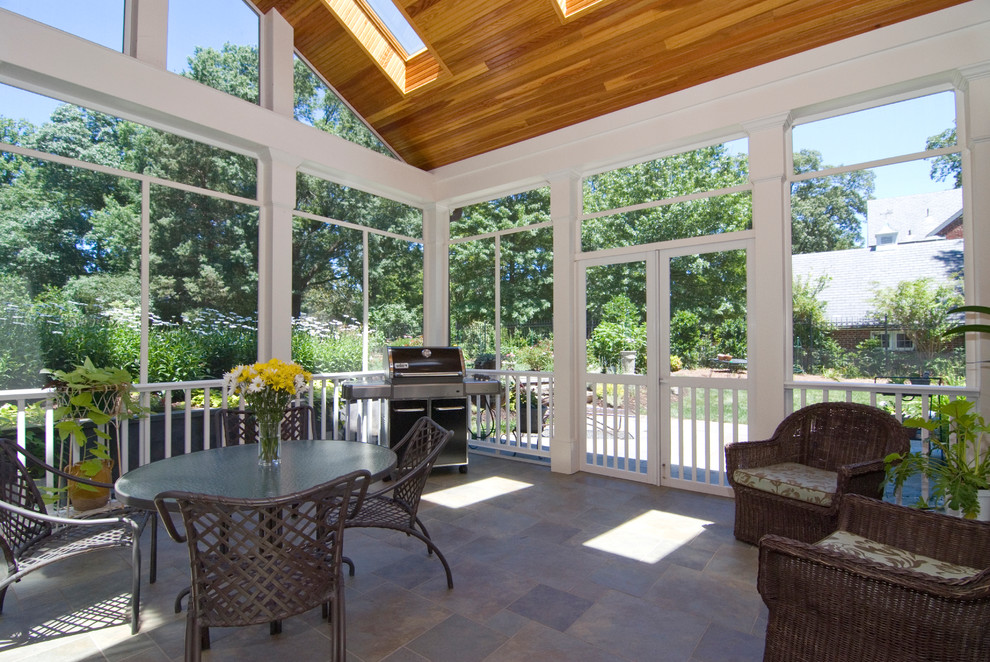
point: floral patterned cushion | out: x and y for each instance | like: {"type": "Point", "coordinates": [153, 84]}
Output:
{"type": "Point", "coordinates": [870, 550]}
{"type": "Point", "coordinates": [789, 479]}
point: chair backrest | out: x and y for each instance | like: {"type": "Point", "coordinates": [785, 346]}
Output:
{"type": "Point", "coordinates": [417, 453]}
{"type": "Point", "coordinates": [239, 427]}
{"type": "Point", "coordinates": [831, 434]}
{"type": "Point", "coordinates": [260, 560]}
{"type": "Point", "coordinates": [299, 422]}
{"type": "Point", "coordinates": [18, 488]}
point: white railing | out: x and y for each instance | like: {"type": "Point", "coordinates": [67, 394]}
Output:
{"type": "Point", "coordinates": [498, 424]}
{"type": "Point", "coordinates": [616, 431]}
{"type": "Point", "coordinates": [517, 424]}
{"type": "Point", "coordinates": [705, 416]}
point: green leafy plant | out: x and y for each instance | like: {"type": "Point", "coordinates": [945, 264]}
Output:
{"type": "Point", "coordinates": [88, 399]}
{"type": "Point", "coordinates": [959, 464]}
{"type": "Point", "coordinates": [964, 328]}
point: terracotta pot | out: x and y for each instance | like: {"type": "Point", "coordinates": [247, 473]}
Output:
{"type": "Point", "coordinates": [87, 497]}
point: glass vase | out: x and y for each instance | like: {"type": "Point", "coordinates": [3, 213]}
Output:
{"type": "Point", "coordinates": [269, 440]}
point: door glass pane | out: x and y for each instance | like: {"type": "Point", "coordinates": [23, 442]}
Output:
{"type": "Point", "coordinates": [708, 314]}
{"type": "Point", "coordinates": [616, 427]}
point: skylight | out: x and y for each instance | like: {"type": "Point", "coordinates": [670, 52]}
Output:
{"type": "Point", "coordinates": [408, 64]}
{"type": "Point", "coordinates": [397, 25]}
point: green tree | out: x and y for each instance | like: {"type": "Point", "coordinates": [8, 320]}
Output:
{"type": "Point", "coordinates": [814, 347]}
{"type": "Point", "coordinates": [827, 212]}
{"type": "Point", "coordinates": [947, 166]}
{"type": "Point", "coordinates": [919, 307]}
{"type": "Point", "coordinates": [526, 265]}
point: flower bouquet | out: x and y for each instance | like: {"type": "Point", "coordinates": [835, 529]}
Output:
{"type": "Point", "coordinates": [268, 388]}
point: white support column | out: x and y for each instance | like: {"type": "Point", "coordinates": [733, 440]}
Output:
{"type": "Point", "coordinates": [568, 390]}
{"type": "Point", "coordinates": [146, 30]}
{"type": "Point", "coordinates": [436, 275]}
{"type": "Point", "coordinates": [276, 80]}
{"type": "Point", "coordinates": [277, 194]}
{"type": "Point", "coordinates": [768, 320]}
{"type": "Point", "coordinates": [974, 136]}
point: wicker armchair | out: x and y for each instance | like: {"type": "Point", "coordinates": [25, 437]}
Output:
{"type": "Point", "coordinates": [792, 483]}
{"type": "Point", "coordinates": [397, 504]}
{"type": "Point", "coordinates": [879, 600]}
{"type": "Point", "coordinates": [32, 539]}
{"type": "Point", "coordinates": [239, 426]}
{"type": "Point", "coordinates": [256, 561]}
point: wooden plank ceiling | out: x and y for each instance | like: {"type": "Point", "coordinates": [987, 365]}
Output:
{"type": "Point", "coordinates": [504, 71]}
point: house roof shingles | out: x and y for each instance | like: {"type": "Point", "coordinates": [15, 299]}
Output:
{"type": "Point", "coordinates": [856, 274]}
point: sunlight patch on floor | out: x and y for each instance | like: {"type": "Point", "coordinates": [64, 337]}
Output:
{"type": "Point", "coordinates": [480, 490]}
{"type": "Point", "coordinates": [650, 536]}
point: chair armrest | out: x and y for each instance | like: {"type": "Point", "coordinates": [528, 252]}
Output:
{"type": "Point", "coordinates": [162, 507]}
{"type": "Point", "coordinates": [861, 478]}
{"type": "Point", "coordinates": [72, 521]}
{"type": "Point", "coordinates": [803, 571]}
{"type": "Point", "coordinates": [747, 454]}
{"type": "Point", "coordinates": [939, 536]}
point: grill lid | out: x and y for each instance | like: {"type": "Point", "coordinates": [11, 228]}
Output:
{"type": "Point", "coordinates": [424, 363]}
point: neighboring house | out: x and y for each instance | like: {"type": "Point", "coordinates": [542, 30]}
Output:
{"type": "Point", "coordinates": [908, 237]}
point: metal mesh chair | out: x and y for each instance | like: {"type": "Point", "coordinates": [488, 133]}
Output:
{"type": "Point", "coordinates": [396, 505]}
{"type": "Point", "coordinates": [256, 561]}
{"type": "Point", "coordinates": [848, 439]}
{"type": "Point", "coordinates": [32, 539]}
{"type": "Point", "coordinates": [299, 422]}
{"type": "Point", "coordinates": [239, 426]}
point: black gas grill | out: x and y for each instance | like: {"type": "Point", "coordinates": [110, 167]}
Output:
{"type": "Point", "coordinates": [425, 381]}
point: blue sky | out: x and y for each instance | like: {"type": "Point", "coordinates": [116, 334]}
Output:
{"type": "Point", "coordinates": [868, 135]}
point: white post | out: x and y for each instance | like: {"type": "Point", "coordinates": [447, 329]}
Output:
{"type": "Point", "coordinates": [436, 254]}
{"type": "Point", "coordinates": [568, 370]}
{"type": "Point", "coordinates": [974, 139]}
{"type": "Point", "coordinates": [768, 362]}
{"type": "Point", "coordinates": [146, 31]}
{"type": "Point", "coordinates": [277, 194]}
{"type": "Point", "coordinates": [276, 80]}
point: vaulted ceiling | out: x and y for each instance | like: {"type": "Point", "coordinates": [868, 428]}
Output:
{"type": "Point", "coordinates": [497, 72]}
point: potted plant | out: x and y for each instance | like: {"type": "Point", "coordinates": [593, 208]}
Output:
{"type": "Point", "coordinates": [88, 399]}
{"type": "Point", "coordinates": [529, 411]}
{"type": "Point", "coordinates": [958, 464]}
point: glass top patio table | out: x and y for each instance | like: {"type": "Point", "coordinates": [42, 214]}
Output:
{"type": "Point", "coordinates": [233, 471]}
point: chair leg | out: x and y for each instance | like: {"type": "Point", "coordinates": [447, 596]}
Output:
{"type": "Point", "coordinates": [3, 594]}
{"type": "Point", "coordinates": [434, 549]}
{"type": "Point", "coordinates": [135, 584]}
{"type": "Point", "coordinates": [339, 646]}
{"type": "Point", "coordinates": [193, 640]}
{"type": "Point", "coordinates": [153, 561]}
{"type": "Point", "coordinates": [350, 565]}
{"type": "Point", "coordinates": [426, 533]}
{"type": "Point", "coordinates": [178, 599]}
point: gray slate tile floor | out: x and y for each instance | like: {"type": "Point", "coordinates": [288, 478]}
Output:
{"type": "Point", "coordinates": [547, 567]}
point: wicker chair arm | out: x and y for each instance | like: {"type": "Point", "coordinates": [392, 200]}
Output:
{"type": "Point", "coordinates": [860, 468]}
{"type": "Point", "coordinates": [52, 519]}
{"type": "Point", "coordinates": [166, 516]}
{"type": "Point", "coordinates": [795, 567]}
{"type": "Point", "coordinates": [947, 538]}
{"type": "Point", "coordinates": [747, 454]}
{"type": "Point", "coordinates": [861, 478]}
